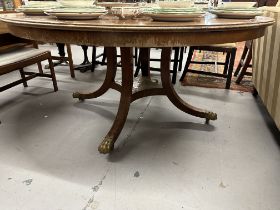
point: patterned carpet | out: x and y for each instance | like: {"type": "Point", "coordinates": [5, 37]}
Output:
{"type": "Point", "coordinates": [216, 82]}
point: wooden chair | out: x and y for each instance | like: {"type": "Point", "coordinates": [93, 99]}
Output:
{"type": "Point", "coordinates": [229, 49]}
{"type": "Point", "coordinates": [15, 54]}
{"type": "Point", "coordinates": [246, 57]}
{"type": "Point", "coordinates": [86, 65]}
{"type": "Point", "coordinates": [62, 59]}
{"type": "Point", "coordinates": [245, 62]}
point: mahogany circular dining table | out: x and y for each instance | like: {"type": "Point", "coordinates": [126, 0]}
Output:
{"type": "Point", "coordinates": [143, 33]}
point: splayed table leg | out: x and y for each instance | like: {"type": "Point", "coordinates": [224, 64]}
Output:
{"type": "Point", "coordinates": [109, 79]}
{"type": "Point", "coordinates": [107, 144]}
{"type": "Point", "coordinates": [173, 96]}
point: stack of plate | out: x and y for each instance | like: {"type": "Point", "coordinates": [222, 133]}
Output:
{"type": "Point", "coordinates": [237, 10]}
{"type": "Point", "coordinates": [77, 13]}
{"type": "Point", "coordinates": [176, 4]}
{"type": "Point", "coordinates": [174, 14]}
{"type": "Point", "coordinates": [37, 7]}
{"type": "Point", "coordinates": [75, 3]}
{"type": "Point", "coordinates": [108, 4]}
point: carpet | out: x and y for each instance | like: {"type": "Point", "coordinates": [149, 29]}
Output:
{"type": "Point", "coordinates": [200, 80]}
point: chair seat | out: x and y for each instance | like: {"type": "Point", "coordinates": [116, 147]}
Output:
{"type": "Point", "coordinates": [12, 46]}
{"type": "Point", "coordinates": [226, 45]}
{"type": "Point", "coordinates": [16, 56]}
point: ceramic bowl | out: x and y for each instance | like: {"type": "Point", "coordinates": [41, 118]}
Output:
{"type": "Point", "coordinates": [125, 12]}
{"type": "Point", "coordinates": [175, 4]}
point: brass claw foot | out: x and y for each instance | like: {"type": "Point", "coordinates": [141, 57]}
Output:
{"type": "Point", "coordinates": [210, 116]}
{"type": "Point", "coordinates": [106, 146]}
{"type": "Point", "coordinates": [77, 95]}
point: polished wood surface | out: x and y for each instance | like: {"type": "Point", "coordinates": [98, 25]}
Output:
{"type": "Point", "coordinates": [136, 33]}
{"type": "Point", "coordinates": [3, 27]}
{"type": "Point", "coordinates": [126, 34]}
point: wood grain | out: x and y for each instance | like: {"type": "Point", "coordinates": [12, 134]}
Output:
{"type": "Point", "coordinates": [3, 27]}
{"type": "Point", "coordinates": [136, 33]}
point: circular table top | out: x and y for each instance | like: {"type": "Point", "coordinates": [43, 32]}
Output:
{"type": "Point", "coordinates": [139, 33]}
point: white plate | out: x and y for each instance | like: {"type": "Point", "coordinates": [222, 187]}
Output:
{"type": "Point", "coordinates": [32, 11]}
{"type": "Point", "coordinates": [236, 9]}
{"type": "Point", "coordinates": [175, 4]}
{"type": "Point", "coordinates": [75, 16]}
{"type": "Point", "coordinates": [77, 10]}
{"type": "Point", "coordinates": [169, 17]}
{"type": "Point", "coordinates": [236, 14]}
{"type": "Point", "coordinates": [238, 4]}
{"type": "Point", "coordinates": [77, 3]}
{"type": "Point", "coordinates": [176, 10]}
{"type": "Point", "coordinates": [116, 4]}
{"type": "Point", "coordinates": [41, 4]}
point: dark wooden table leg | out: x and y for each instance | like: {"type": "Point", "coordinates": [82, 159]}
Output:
{"type": "Point", "coordinates": [107, 144]}
{"type": "Point", "coordinates": [173, 96]}
{"type": "Point", "coordinates": [109, 79]}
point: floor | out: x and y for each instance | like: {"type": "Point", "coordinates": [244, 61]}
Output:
{"type": "Point", "coordinates": [164, 159]}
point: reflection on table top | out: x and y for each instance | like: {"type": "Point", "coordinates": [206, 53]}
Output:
{"type": "Point", "coordinates": [136, 33]}
{"type": "Point", "coordinates": [209, 22]}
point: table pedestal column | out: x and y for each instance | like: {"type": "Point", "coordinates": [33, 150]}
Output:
{"type": "Point", "coordinates": [132, 91]}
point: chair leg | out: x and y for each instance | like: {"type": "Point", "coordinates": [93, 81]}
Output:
{"type": "Point", "coordinates": [85, 49]}
{"type": "Point", "coordinates": [189, 59]}
{"type": "Point", "coordinates": [255, 92]}
{"type": "Point", "coordinates": [143, 62]}
{"type": "Point", "coordinates": [174, 76]}
{"type": "Point", "coordinates": [71, 65]}
{"type": "Point", "coordinates": [181, 58]}
{"type": "Point", "coordinates": [23, 77]}
{"type": "Point", "coordinates": [176, 57]}
{"type": "Point", "coordinates": [175, 64]}
{"type": "Point", "coordinates": [244, 53]}
{"type": "Point", "coordinates": [93, 59]}
{"type": "Point", "coordinates": [104, 57]}
{"type": "Point", "coordinates": [135, 56]}
{"type": "Point", "coordinates": [245, 66]}
{"type": "Point", "coordinates": [52, 74]}
{"type": "Point", "coordinates": [226, 63]}
{"type": "Point", "coordinates": [230, 69]}
{"type": "Point", "coordinates": [138, 64]}
{"type": "Point", "coordinates": [40, 67]}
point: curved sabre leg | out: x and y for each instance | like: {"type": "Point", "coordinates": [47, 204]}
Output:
{"type": "Point", "coordinates": [173, 96]}
{"type": "Point", "coordinates": [109, 79]}
{"type": "Point", "coordinates": [107, 144]}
